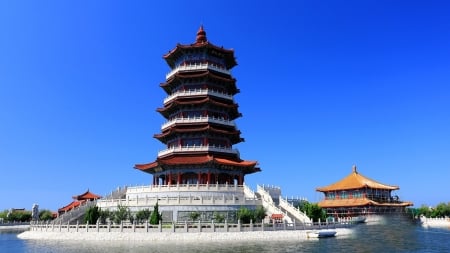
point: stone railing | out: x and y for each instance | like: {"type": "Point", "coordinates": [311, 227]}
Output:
{"type": "Point", "coordinates": [182, 149]}
{"type": "Point", "coordinates": [74, 214]}
{"type": "Point", "coordinates": [178, 200]}
{"type": "Point", "coordinates": [197, 92]}
{"type": "Point", "coordinates": [197, 120]}
{"type": "Point", "coordinates": [198, 66]}
{"type": "Point", "coordinates": [185, 227]}
{"type": "Point", "coordinates": [184, 188]}
{"type": "Point", "coordinates": [299, 215]}
{"type": "Point", "coordinates": [270, 205]}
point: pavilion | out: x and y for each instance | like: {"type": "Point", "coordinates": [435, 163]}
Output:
{"type": "Point", "coordinates": [357, 195]}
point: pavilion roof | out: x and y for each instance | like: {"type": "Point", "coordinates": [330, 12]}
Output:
{"type": "Point", "coordinates": [354, 202]}
{"type": "Point", "coordinates": [201, 42]}
{"type": "Point", "coordinates": [356, 181]}
{"type": "Point", "coordinates": [86, 195]}
{"type": "Point", "coordinates": [207, 127]}
{"type": "Point", "coordinates": [70, 206]}
{"type": "Point", "coordinates": [248, 166]}
{"type": "Point", "coordinates": [202, 74]}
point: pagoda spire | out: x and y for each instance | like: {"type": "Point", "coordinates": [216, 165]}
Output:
{"type": "Point", "coordinates": [201, 36]}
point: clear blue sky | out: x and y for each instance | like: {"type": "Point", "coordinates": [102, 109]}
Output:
{"type": "Point", "coordinates": [324, 85]}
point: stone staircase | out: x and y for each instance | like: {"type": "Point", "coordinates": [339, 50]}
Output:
{"type": "Point", "coordinates": [77, 214]}
{"type": "Point", "coordinates": [275, 204]}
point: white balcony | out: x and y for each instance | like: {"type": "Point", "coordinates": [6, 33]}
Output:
{"type": "Point", "coordinates": [197, 120]}
{"type": "Point", "coordinates": [198, 92]}
{"type": "Point", "coordinates": [193, 149]}
{"type": "Point", "coordinates": [199, 66]}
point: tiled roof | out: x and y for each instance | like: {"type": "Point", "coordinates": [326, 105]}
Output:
{"type": "Point", "coordinates": [357, 202]}
{"type": "Point", "coordinates": [356, 181]}
{"type": "Point", "coordinates": [198, 159]}
{"type": "Point", "coordinates": [206, 99]}
{"type": "Point", "coordinates": [206, 73]}
{"type": "Point", "coordinates": [87, 195]}
{"type": "Point", "coordinates": [70, 206]}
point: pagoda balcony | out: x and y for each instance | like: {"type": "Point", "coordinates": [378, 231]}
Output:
{"type": "Point", "coordinates": [197, 92]}
{"type": "Point", "coordinates": [199, 66]}
{"type": "Point", "coordinates": [191, 149]}
{"type": "Point", "coordinates": [207, 119]}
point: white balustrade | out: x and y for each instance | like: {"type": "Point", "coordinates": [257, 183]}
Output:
{"type": "Point", "coordinates": [206, 148]}
{"type": "Point", "coordinates": [200, 66]}
{"type": "Point", "coordinates": [197, 92]}
{"type": "Point", "coordinates": [189, 120]}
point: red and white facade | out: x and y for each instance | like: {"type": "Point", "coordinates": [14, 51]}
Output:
{"type": "Point", "coordinates": [200, 113]}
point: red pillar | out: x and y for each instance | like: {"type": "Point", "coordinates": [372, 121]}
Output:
{"type": "Point", "coordinates": [170, 178]}
{"type": "Point", "coordinates": [209, 177]}
{"type": "Point", "coordinates": [179, 178]}
{"type": "Point", "coordinates": [241, 180]}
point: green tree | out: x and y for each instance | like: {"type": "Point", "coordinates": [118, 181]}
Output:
{"type": "Point", "coordinates": [143, 215]}
{"type": "Point", "coordinates": [245, 215]}
{"type": "Point", "coordinates": [92, 214]}
{"type": "Point", "coordinates": [259, 214]}
{"type": "Point", "coordinates": [45, 215]}
{"type": "Point", "coordinates": [155, 216]}
{"type": "Point", "coordinates": [20, 216]}
{"type": "Point", "coordinates": [218, 217]}
{"type": "Point", "coordinates": [120, 214]}
{"type": "Point", "coordinates": [194, 216]}
{"type": "Point", "coordinates": [104, 215]}
{"type": "Point", "coordinates": [312, 210]}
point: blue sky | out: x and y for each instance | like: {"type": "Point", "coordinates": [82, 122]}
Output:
{"type": "Point", "coordinates": [324, 85]}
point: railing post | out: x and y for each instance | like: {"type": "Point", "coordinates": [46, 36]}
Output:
{"type": "Point", "coordinates": [173, 226]}
{"type": "Point", "coordinates": [226, 226]}
{"type": "Point", "coordinates": [121, 226]}
{"type": "Point", "coordinates": [77, 227]}
{"type": "Point", "coordinates": [146, 225]}
{"type": "Point", "coordinates": [134, 226]}
{"type": "Point", "coordinates": [239, 225]}
{"type": "Point", "coordinates": [97, 225]}
{"type": "Point", "coordinates": [199, 226]}
{"type": "Point", "coordinates": [160, 226]}
{"type": "Point", "coordinates": [186, 227]}
{"type": "Point", "coordinates": [109, 226]}
{"type": "Point", "coordinates": [251, 225]}
{"type": "Point", "coordinates": [87, 226]}
{"type": "Point", "coordinates": [213, 226]}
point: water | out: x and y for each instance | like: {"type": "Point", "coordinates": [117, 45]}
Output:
{"type": "Point", "coordinates": [395, 234]}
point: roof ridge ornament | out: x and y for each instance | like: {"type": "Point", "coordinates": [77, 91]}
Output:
{"type": "Point", "coordinates": [354, 169]}
{"type": "Point", "coordinates": [201, 36]}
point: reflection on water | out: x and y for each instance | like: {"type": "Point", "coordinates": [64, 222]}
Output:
{"type": "Point", "coordinates": [396, 234]}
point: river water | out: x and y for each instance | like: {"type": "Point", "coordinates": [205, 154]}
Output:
{"type": "Point", "coordinates": [392, 234]}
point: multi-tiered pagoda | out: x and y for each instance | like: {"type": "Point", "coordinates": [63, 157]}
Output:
{"type": "Point", "coordinates": [199, 171]}
{"type": "Point", "coordinates": [200, 131]}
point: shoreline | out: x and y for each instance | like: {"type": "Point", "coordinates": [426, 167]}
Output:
{"type": "Point", "coordinates": [14, 227]}
{"type": "Point", "coordinates": [176, 237]}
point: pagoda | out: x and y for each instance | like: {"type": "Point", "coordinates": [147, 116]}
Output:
{"type": "Point", "coordinates": [357, 195]}
{"type": "Point", "coordinates": [199, 171]}
{"type": "Point", "coordinates": [200, 112]}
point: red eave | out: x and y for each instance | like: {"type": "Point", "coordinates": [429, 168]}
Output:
{"type": "Point", "coordinates": [70, 206]}
{"type": "Point", "coordinates": [175, 160]}
{"type": "Point", "coordinates": [86, 195]}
